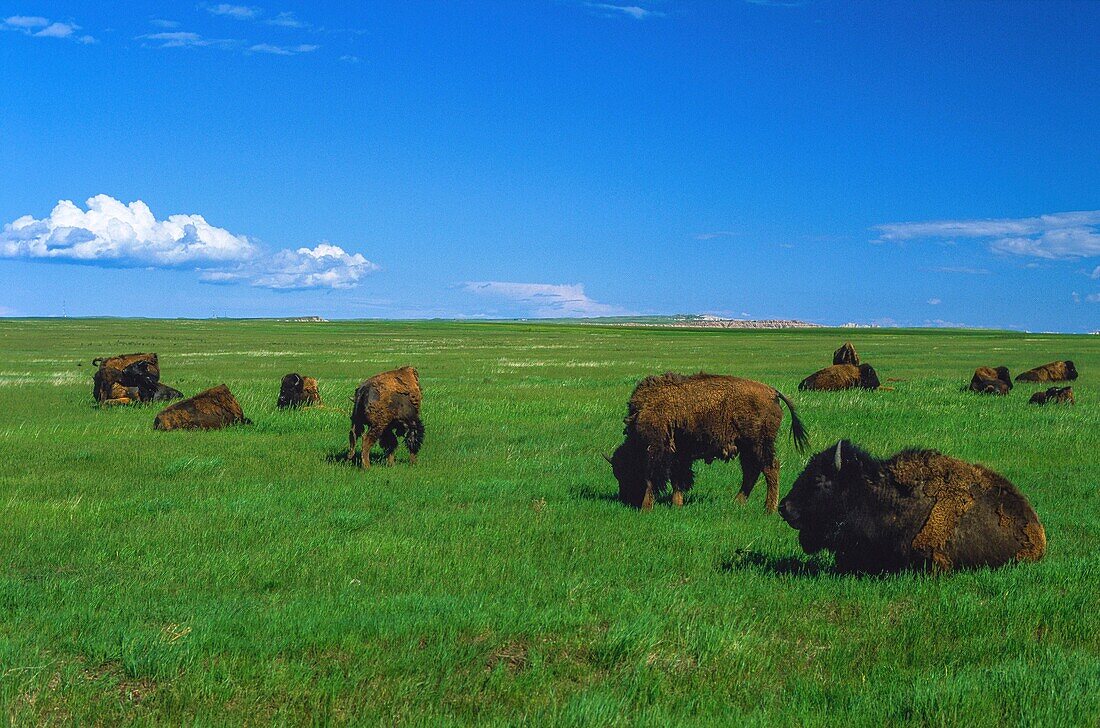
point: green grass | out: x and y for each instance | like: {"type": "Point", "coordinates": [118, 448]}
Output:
{"type": "Point", "coordinates": [248, 576]}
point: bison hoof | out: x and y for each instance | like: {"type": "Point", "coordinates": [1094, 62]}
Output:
{"type": "Point", "coordinates": [741, 498]}
{"type": "Point", "coordinates": [389, 460]}
{"type": "Point", "coordinates": [678, 499]}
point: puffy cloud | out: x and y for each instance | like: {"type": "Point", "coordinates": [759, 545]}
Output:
{"type": "Point", "coordinates": [39, 27]}
{"type": "Point", "coordinates": [283, 50]}
{"type": "Point", "coordinates": [26, 21]}
{"type": "Point", "coordinates": [546, 299]}
{"type": "Point", "coordinates": [1093, 298]}
{"type": "Point", "coordinates": [934, 302]}
{"type": "Point", "coordinates": [240, 12]}
{"type": "Point", "coordinates": [1056, 236]}
{"type": "Point", "coordinates": [287, 20]}
{"type": "Point", "coordinates": [111, 232]}
{"type": "Point", "coordinates": [185, 39]}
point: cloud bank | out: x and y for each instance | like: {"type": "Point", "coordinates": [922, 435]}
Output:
{"type": "Point", "coordinates": [39, 27]}
{"type": "Point", "coordinates": [545, 300]}
{"type": "Point", "coordinates": [1057, 236]}
{"type": "Point", "coordinates": [111, 233]}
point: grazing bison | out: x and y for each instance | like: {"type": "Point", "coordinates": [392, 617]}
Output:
{"type": "Point", "coordinates": [918, 509]}
{"type": "Point", "coordinates": [387, 406]}
{"type": "Point", "coordinates": [988, 380]}
{"type": "Point", "coordinates": [846, 355]}
{"type": "Point", "coordinates": [842, 376]}
{"type": "Point", "coordinates": [673, 420]}
{"type": "Point", "coordinates": [298, 391]}
{"type": "Point", "coordinates": [129, 378]}
{"type": "Point", "coordinates": [1056, 371]}
{"type": "Point", "coordinates": [1054, 395]}
{"type": "Point", "coordinates": [210, 410]}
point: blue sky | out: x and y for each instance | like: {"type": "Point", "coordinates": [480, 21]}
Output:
{"type": "Point", "coordinates": [906, 163]}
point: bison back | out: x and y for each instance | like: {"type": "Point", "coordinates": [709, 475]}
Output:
{"type": "Point", "coordinates": [209, 410]}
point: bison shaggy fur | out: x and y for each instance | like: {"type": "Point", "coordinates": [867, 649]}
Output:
{"type": "Point", "coordinates": [209, 410]}
{"type": "Point", "coordinates": [130, 378]}
{"type": "Point", "coordinates": [298, 391]}
{"type": "Point", "coordinates": [919, 509]}
{"type": "Point", "coordinates": [842, 376]}
{"type": "Point", "coordinates": [988, 380]}
{"type": "Point", "coordinates": [1056, 371]}
{"type": "Point", "coordinates": [387, 406]}
{"type": "Point", "coordinates": [846, 355]}
{"type": "Point", "coordinates": [673, 420]}
{"type": "Point", "coordinates": [1054, 395]}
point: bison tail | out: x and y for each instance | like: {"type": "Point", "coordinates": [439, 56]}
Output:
{"type": "Point", "coordinates": [798, 430]}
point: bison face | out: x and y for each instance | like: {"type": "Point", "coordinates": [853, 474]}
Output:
{"type": "Point", "coordinates": [628, 465]}
{"type": "Point", "coordinates": [1071, 371]}
{"type": "Point", "coordinates": [819, 501]}
{"type": "Point", "coordinates": [868, 379]}
{"type": "Point", "coordinates": [290, 391]}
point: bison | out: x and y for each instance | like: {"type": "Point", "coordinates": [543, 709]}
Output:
{"type": "Point", "coordinates": [1056, 371]}
{"type": "Point", "coordinates": [129, 378]}
{"type": "Point", "coordinates": [919, 509]}
{"type": "Point", "coordinates": [673, 420]}
{"type": "Point", "coordinates": [842, 376]}
{"type": "Point", "coordinates": [209, 410]}
{"type": "Point", "coordinates": [387, 406]}
{"type": "Point", "coordinates": [298, 391]}
{"type": "Point", "coordinates": [988, 380]}
{"type": "Point", "coordinates": [846, 355]}
{"type": "Point", "coordinates": [1054, 395]}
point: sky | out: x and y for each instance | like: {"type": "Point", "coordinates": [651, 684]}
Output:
{"type": "Point", "coordinates": [916, 164]}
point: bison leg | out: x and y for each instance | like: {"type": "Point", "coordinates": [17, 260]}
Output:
{"type": "Point", "coordinates": [414, 438]}
{"type": "Point", "coordinates": [771, 477]}
{"type": "Point", "coordinates": [647, 499]}
{"type": "Point", "coordinates": [388, 441]}
{"type": "Point", "coordinates": [682, 479]}
{"type": "Point", "coordinates": [750, 473]}
{"type": "Point", "coordinates": [368, 443]}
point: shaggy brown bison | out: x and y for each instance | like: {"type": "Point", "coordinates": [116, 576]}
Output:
{"type": "Point", "coordinates": [673, 420]}
{"type": "Point", "coordinates": [210, 410]}
{"type": "Point", "coordinates": [918, 509]}
{"type": "Point", "coordinates": [1056, 371]}
{"type": "Point", "coordinates": [298, 391]}
{"type": "Point", "coordinates": [842, 376]}
{"type": "Point", "coordinates": [1054, 395]}
{"type": "Point", "coordinates": [988, 380]}
{"type": "Point", "coordinates": [129, 378]}
{"type": "Point", "coordinates": [846, 355]}
{"type": "Point", "coordinates": [387, 406]}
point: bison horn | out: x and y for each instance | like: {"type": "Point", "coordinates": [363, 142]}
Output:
{"type": "Point", "coordinates": [836, 457]}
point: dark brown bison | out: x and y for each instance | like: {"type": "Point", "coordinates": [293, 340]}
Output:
{"type": "Point", "coordinates": [673, 420]}
{"type": "Point", "coordinates": [298, 391]}
{"type": "Point", "coordinates": [988, 380]}
{"type": "Point", "coordinates": [846, 355]}
{"type": "Point", "coordinates": [387, 406]}
{"type": "Point", "coordinates": [1056, 371]}
{"type": "Point", "coordinates": [130, 378]}
{"type": "Point", "coordinates": [842, 376]}
{"type": "Point", "coordinates": [210, 410]}
{"type": "Point", "coordinates": [918, 509]}
{"type": "Point", "coordinates": [1054, 395]}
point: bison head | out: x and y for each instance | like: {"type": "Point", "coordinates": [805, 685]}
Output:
{"type": "Point", "coordinates": [628, 465]}
{"type": "Point", "coordinates": [1071, 371]}
{"type": "Point", "coordinates": [868, 379]}
{"type": "Point", "coordinates": [824, 495]}
{"type": "Point", "coordinates": [290, 391]}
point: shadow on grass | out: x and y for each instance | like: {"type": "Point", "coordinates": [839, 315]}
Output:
{"type": "Point", "coordinates": [745, 560]}
{"type": "Point", "coordinates": [594, 493]}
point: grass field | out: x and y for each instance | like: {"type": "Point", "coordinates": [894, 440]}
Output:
{"type": "Point", "coordinates": [249, 576]}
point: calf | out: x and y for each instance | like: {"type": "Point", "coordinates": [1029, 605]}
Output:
{"type": "Point", "coordinates": [1054, 395]}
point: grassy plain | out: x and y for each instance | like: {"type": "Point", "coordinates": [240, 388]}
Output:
{"type": "Point", "coordinates": [250, 576]}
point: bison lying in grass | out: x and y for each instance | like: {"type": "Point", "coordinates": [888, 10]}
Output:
{"type": "Point", "coordinates": [988, 380]}
{"type": "Point", "coordinates": [918, 509]}
{"type": "Point", "coordinates": [1054, 395]}
{"type": "Point", "coordinates": [210, 410]}
{"type": "Point", "coordinates": [130, 378]}
{"type": "Point", "coordinates": [673, 420]}
{"type": "Point", "coordinates": [1056, 371]}
{"type": "Point", "coordinates": [846, 355]}
{"type": "Point", "coordinates": [387, 406]}
{"type": "Point", "coordinates": [298, 391]}
{"type": "Point", "coordinates": [842, 376]}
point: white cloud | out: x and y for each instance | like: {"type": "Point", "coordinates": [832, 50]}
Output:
{"type": "Point", "coordinates": [26, 21]}
{"type": "Point", "coordinates": [1093, 298]}
{"type": "Point", "coordinates": [934, 302]}
{"type": "Point", "coordinates": [283, 50]}
{"type": "Point", "coordinates": [545, 299]}
{"type": "Point", "coordinates": [240, 12]}
{"type": "Point", "coordinates": [349, 59]}
{"type": "Point", "coordinates": [40, 27]}
{"type": "Point", "coordinates": [111, 232]}
{"type": "Point", "coordinates": [287, 20]}
{"type": "Point", "coordinates": [633, 11]}
{"type": "Point", "coordinates": [184, 39]}
{"type": "Point", "coordinates": [1056, 236]}
{"type": "Point", "coordinates": [162, 23]}
{"type": "Point", "coordinates": [960, 269]}
{"type": "Point", "coordinates": [715, 234]}
{"type": "Point", "coordinates": [1095, 275]}
{"type": "Point", "coordinates": [1076, 297]}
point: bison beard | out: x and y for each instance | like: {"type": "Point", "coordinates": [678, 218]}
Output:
{"type": "Point", "coordinates": [1056, 371]}
{"type": "Point", "coordinates": [210, 410]}
{"type": "Point", "coordinates": [918, 509]}
{"type": "Point", "coordinates": [673, 420]}
{"type": "Point", "coordinates": [988, 380]}
{"type": "Point", "coordinates": [387, 406]}
{"type": "Point", "coordinates": [842, 376]}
